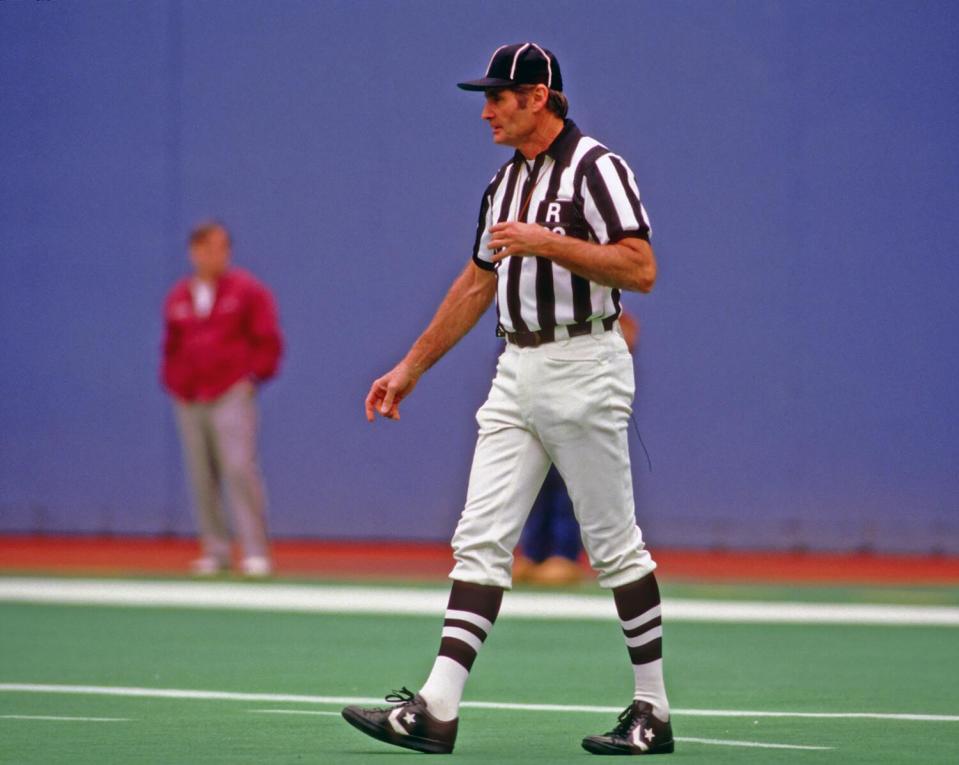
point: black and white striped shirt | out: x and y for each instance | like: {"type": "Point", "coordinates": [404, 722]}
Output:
{"type": "Point", "coordinates": [577, 187]}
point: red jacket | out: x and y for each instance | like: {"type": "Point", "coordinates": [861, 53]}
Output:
{"type": "Point", "coordinates": [203, 357]}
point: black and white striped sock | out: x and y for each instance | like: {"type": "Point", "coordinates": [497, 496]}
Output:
{"type": "Point", "coordinates": [470, 615]}
{"type": "Point", "coordinates": [640, 615]}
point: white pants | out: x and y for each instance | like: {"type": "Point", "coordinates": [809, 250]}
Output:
{"type": "Point", "coordinates": [219, 445]}
{"type": "Point", "coordinates": [567, 403]}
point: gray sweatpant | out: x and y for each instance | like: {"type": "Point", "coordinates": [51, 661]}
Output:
{"type": "Point", "coordinates": [219, 446]}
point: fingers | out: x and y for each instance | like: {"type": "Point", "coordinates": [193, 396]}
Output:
{"type": "Point", "coordinates": [502, 246]}
{"type": "Point", "coordinates": [509, 239]}
{"type": "Point", "coordinates": [371, 400]}
{"type": "Point", "coordinates": [391, 412]}
{"type": "Point", "coordinates": [500, 236]}
{"type": "Point", "coordinates": [387, 406]}
{"type": "Point", "coordinates": [498, 243]}
{"type": "Point", "coordinates": [383, 400]}
{"type": "Point", "coordinates": [387, 392]}
{"type": "Point", "coordinates": [518, 239]}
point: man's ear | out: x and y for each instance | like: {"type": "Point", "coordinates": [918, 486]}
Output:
{"type": "Point", "coordinates": [540, 96]}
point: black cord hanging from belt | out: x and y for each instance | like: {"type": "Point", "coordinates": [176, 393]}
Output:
{"type": "Point", "coordinates": [649, 461]}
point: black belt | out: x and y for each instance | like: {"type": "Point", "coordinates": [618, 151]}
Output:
{"type": "Point", "coordinates": [548, 335]}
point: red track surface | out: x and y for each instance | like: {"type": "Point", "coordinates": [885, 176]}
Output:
{"type": "Point", "coordinates": [143, 555]}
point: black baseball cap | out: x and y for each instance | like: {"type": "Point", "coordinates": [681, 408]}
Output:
{"type": "Point", "coordinates": [519, 64]}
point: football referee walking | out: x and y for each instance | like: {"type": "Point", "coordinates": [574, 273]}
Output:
{"type": "Point", "coordinates": [561, 232]}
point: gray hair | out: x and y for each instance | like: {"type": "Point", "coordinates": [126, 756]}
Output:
{"type": "Point", "coordinates": [556, 102]}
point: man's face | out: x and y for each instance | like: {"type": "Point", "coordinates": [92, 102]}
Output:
{"type": "Point", "coordinates": [211, 256]}
{"type": "Point", "coordinates": [512, 120]}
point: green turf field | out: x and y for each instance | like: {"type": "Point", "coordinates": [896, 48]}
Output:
{"type": "Point", "coordinates": [795, 668]}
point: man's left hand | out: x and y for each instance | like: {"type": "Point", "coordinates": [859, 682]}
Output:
{"type": "Point", "coordinates": [518, 239]}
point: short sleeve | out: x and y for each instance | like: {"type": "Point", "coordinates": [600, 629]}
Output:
{"type": "Point", "coordinates": [611, 201]}
{"type": "Point", "coordinates": [481, 254]}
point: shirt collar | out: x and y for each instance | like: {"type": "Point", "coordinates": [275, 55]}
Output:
{"type": "Point", "coordinates": [562, 147]}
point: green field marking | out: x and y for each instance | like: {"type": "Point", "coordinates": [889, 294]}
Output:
{"type": "Point", "coordinates": [61, 718]}
{"type": "Point", "coordinates": [932, 595]}
{"type": "Point", "coordinates": [297, 653]}
{"type": "Point", "coordinates": [319, 712]}
{"type": "Point", "coordinates": [945, 595]}
{"type": "Point", "coordinates": [357, 599]}
{"type": "Point", "coordinates": [201, 733]}
{"type": "Point", "coordinates": [749, 744]}
{"type": "Point", "coordinates": [709, 741]}
{"type": "Point", "coordinates": [209, 695]}
{"type": "Point", "coordinates": [210, 735]}
{"type": "Point", "coordinates": [747, 669]}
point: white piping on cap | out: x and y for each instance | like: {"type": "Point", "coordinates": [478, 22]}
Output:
{"type": "Point", "coordinates": [549, 66]}
{"type": "Point", "coordinates": [512, 71]}
{"type": "Point", "coordinates": [490, 64]}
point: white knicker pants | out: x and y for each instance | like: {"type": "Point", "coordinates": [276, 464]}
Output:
{"type": "Point", "coordinates": [568, 403]}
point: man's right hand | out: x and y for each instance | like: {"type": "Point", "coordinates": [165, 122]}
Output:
{"type": "Point", "coordinates": [471, 294]}
{"type": "Point", "coordinates": [387, 392]}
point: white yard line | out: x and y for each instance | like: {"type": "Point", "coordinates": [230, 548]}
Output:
{"type": "Point", "coordinates": [713, 741]}
{"type": "Point", "coordinates": [750, 744]}
{"type": "Point", "coordinates": [175, 693]}
{"type": "Point", "coordinates": [432, 602]}
{"type": "Point", "coordinates": [713, 712]}
{"type": "Point", "coordinates": [68, 719]}
{"type": "Point", "coordinates": [904, 717]}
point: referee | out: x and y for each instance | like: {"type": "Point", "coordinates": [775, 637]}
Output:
{"type": "Point", "coordinates": [561, 233]}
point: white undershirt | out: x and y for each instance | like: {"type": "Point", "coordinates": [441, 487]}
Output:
{"type": "Point", "coordinates": [204, 293]}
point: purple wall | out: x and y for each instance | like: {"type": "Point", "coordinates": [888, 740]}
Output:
{"type": "Point", "coordinates": [799, 161]}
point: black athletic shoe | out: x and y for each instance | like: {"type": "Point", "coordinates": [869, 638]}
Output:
{"type": "Point", "coordinates": [406, 724]}
{"type": "Point", "coordinates": [638, 732]}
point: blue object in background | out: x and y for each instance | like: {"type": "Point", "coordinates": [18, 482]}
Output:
{"type": "Point", "coordinates": [797, 377]}
{"type": "Point", "coordinates": [551, 529]}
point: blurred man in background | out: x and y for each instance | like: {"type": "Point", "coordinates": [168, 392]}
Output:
{"type": "Point", "coordinates": [222, 340]}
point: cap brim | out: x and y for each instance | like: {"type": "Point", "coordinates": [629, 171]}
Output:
{"type": "Point", "coordinates": [485, 84]}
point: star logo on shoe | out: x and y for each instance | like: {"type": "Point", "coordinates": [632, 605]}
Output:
{"type": "Point", "coordinates": [638, 734]}
{"type": "Point", "coordinates": [409, 718]}
{"type": "Point", "coordinates": [394, 721]}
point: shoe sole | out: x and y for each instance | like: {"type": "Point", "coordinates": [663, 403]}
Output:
{"type": "Point", "coordinates": [594, 746]}
{"type": "Point", "coordinates": [425, 745]}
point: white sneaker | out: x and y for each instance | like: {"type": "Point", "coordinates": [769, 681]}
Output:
{"type": "Point", "coordinates": [209, 566]}
{"type": "Point", "coordinates": [257, 566]}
